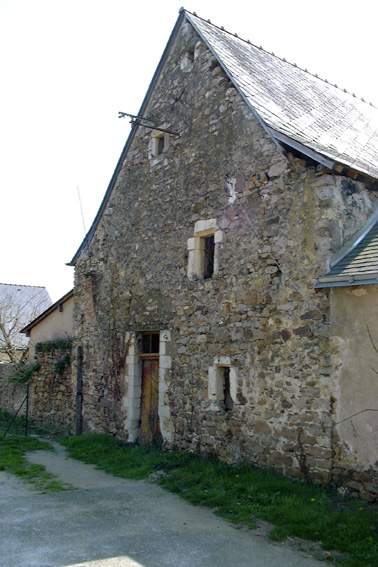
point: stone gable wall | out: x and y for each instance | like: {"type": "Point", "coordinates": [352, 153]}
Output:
{"type": "Point", "coordinates": [258, 312]}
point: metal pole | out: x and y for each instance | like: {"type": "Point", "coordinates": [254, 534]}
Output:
{"type": "Point", "coordinates": [27, 409]}
{"type": "Point", "coordinates": [79, 392]}
{"type": "Point", "coordinates": [14, 418]}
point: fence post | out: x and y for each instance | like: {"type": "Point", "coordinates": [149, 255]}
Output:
{"type": "Point", "coordinates": [79, 392]}
{"type": "Point", "coordinates": [27, 409]}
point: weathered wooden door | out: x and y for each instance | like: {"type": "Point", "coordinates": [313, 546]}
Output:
{"type": "Point", "coordinates": [149, 431]}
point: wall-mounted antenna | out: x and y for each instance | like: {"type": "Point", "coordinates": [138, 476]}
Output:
{"type": "Point", "coordinates": [81, 209]}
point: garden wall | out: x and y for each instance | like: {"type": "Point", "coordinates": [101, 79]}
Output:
{"type": "Point", "coordinates": [51, 401]}
{"type": "Point", "coordinates": [11, 393]}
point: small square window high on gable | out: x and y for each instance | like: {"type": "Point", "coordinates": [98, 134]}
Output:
{"type": "Point", "coordinates": [204, 250]}
{"type": "Point", "coordinates": [158, 144]}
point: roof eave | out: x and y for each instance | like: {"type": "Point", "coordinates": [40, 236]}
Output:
{"type": "Point", "coordinates": [320, 158]}
{"type": "Point", "coordinates": [343, 281]}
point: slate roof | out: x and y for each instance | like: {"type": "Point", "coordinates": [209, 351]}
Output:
{"type": "Point", "coordinates": [296, 105]}
{"type": "Point", "coordinates": [357, 262]}
{"type": "Point", "coordinates": [293, 106]}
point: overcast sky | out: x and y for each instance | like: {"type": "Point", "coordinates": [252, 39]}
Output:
{"type": "Point", "coordinates": [69, 66]}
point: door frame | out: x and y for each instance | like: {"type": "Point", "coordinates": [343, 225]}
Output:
{"type": "Point", "coordinates": [133, 385]}
{"type": "Point", "coordinates": [148, 382]}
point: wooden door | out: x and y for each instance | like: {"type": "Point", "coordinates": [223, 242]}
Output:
{"type": "Point", "coordinates": [149, 431]}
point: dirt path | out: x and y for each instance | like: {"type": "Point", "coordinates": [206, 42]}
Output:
{"type": "Point", "coordinates": [105, 521]}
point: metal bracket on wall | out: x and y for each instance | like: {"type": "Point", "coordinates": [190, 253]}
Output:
{"type": "Point", "coordinates": [136, 121]}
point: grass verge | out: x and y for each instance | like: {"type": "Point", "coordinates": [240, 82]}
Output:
{"type": "Point", "coordinates": [13, 461]}
{"type": "Point", "coordinates": [243, 494]}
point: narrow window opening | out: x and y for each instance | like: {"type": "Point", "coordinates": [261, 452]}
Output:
{"type": "Point", "coordinates": [160, 145]}
{"type": "Point", "coordinates": [228, 401]}
{"type": "Point", "coordinates": [150, 343]}
{"type": "Point", "coordinates": [208, 256]}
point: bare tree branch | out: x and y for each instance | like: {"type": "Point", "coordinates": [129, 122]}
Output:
{"type": "Point", "coordinates": [19, 305]}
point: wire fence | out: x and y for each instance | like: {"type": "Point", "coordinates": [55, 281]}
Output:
{"type": "Point", "coordinates": [13, 422]}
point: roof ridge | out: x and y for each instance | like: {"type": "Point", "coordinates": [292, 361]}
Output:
{"type": "Point", "coordinates": [315, 75]}
{"type": "Point", "coordinates": [23, 285]}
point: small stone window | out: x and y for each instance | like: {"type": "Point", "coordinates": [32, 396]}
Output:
{"type": "Point", "coordinates": [224, 378]}
{"type": "Point", "coordinates": [158, 144]}
{"type": "Point", "coordinates": [208, 256]}
{"type": "Point", "coordinates": [222, 383]}
{"type": "Point", "coordinates": [204, 250]}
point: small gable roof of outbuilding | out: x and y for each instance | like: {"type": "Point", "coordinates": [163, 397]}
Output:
{"type": "Point", "coordinates": [296, 109]}
{"type": "Point", "coordinates": [357, 261]}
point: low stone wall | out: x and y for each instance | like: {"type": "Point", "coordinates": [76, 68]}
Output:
{"type": "Point", "coordinates": [12, 394]}
{"type": "Point", "coordinates": [51, 396]}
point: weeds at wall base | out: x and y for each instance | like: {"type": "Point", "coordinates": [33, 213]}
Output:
{"type": "Point", "coordinates": [243, 494]}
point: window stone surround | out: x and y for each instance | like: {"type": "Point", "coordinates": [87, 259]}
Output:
{"type": "Point", "coordinates": [203, 228]}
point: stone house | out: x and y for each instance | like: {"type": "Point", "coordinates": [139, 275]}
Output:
{"type": "Point", "coordinates": [197, 322]}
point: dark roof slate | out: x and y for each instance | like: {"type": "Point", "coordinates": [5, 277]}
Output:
{"type": "Point", "coordinates": [297, 104]}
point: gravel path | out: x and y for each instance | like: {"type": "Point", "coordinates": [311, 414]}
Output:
{"type": "Point", "coordinates": [104, 521]}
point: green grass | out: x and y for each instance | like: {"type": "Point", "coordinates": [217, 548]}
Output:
{"type": "Point", "coordinates": [12, 456]}
{"type": "Point", "coordinates": [244, 494]}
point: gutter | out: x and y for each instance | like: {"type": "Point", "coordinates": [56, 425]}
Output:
{"type": "Point", "coordinates": [343, 281]}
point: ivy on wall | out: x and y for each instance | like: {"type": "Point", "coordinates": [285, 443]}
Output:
{"type": "Point", "coordinates": [23, 373]}
{"type": "Point", "coordinates": [62, 347]}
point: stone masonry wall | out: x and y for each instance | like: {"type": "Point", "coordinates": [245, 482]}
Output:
{"type": "Point", "coordinates": [257, 314]}
{"type": "Point", "coordinates": [51, 394]}
{"type": "Point", "coordinates": [51, 400]}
